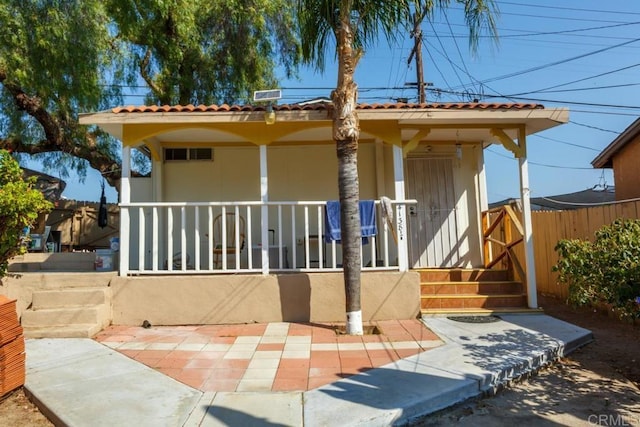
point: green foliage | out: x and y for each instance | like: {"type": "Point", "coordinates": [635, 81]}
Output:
{"type": "Point", "coordinates": [606, 271]}
{"type": "Point", "coordinates": [202, 51]}
{"type": "Point", "coordinates": [75, 56]}
{"type": "Point", "coordinates": [20, 205]}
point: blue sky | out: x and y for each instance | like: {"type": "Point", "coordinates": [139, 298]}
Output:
{"type": "Point", "coordinates": [579, 54]}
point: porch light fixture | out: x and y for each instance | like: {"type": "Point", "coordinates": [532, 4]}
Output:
{"type": "Point", "coordinates": [269, 115]}
{"type": "Point", "coordinates": [268, 96]}
{"type": "Point", "coordinates": [458, 146]}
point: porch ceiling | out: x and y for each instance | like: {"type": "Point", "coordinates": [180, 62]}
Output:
{"type": "Point", "coordinates": [395, 125]}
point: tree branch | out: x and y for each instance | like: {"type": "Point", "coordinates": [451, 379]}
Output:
{"type": "Point", "coordinates": [56, 139]}
{"type": "Point", "coordinates": [144, 72]}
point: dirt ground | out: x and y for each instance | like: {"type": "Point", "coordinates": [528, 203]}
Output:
{"type": "Point", "coordinates": [597, 385]}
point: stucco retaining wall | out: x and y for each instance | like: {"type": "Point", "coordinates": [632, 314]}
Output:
{"type": "Point", "coordinates": [318, 297]}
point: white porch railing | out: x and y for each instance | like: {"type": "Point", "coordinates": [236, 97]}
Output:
{"type": "Point", "coordinates": [178, 238]}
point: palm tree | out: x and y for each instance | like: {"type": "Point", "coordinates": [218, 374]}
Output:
{"type": "Point", "coordinates": [356, 25]}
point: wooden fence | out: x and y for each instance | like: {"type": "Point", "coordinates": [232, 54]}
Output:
{"type": "Point", "coordinates": [551, 226]}
{"type": "Point", "coordinates": [77, 225]}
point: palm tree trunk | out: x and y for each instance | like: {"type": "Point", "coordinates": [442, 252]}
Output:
{"type": "Point", "coordinates": [346, 133]}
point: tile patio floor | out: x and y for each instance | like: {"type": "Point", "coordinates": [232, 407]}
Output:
{"type": "Point", "coordinates": [266, 356]}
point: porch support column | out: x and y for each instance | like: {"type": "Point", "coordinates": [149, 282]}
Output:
{"type": "Point", "coordinates": [532, 296]}
{"type": "Point", "coordinates": [125, 198]}
{"type": "Point", "coordinates": [264, 217]}
{"type": "Point", "coordinates": [157, 248]}
{"type": "Point", "coordinates": [401, 211]}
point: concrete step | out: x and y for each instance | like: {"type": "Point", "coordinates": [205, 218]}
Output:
{"type": "Point", "coordinates": [57, 261]}
{"type": "Point", "coordinates": [462, 275]}
{"type": "Point", "coordinates": [60, 280]}
{"type": "Point", "coordinates": [471, 287]}
{"type": "Point", "coordinates": [61, 298]}
{"type": "Point", "coordinates": [69, 331]}
{"type": "Point", "coordinates": [66, 316]}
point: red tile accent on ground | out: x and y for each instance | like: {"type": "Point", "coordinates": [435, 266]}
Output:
{"type": "Point", "coordinates": [290, 384]}
{"type": "Point", "coordinates": [270, 347]}
{"type": "Point", "coordinates": [209, 370]}
{"type": "Point", "coordinates": [294, 363]}
{"type": "Point", "coordinates": [292, 373]}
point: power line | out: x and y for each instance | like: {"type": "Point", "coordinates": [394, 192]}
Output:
{"type": "Point", "coordinates": [455, 42]}
{"type": "Point", "coordinates": [593, 127]}
{"type": "Point", "coordinates": [581, 80]}
{"type": "Point", "coordinates": [445, 55]}
{"type": "Point", "coordinates": [541, 164]}
{"type": "Point", "coordinates": [582, 89]}
{"type": "Point", "coordinates": [566, 143]}
{"type": "Point", "coordinates": [562, 61]}
{"type": "Point", "coordinates": [564, 18]}
{"type": "Point", "coordinates": [528, 33]}
{"type": "Point", "coordinates": [568, 8]}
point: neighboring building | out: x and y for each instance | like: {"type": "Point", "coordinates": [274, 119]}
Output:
{"type": "Point", "coordinates": [580, 199]}
{"type": "Point", "coordinates": [51, 187]}
{"type": "Point", "coordinates": [623, 156]}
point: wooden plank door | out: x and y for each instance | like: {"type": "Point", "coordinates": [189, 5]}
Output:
{"type": "Point", "coordinates": [433, 231]}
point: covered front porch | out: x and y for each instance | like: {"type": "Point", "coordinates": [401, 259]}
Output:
{"type": "Point", "coordinates": [231, 192]}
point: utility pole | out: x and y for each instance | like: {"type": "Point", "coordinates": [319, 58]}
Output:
{"type": "Point", "coordinates": [417, 51]}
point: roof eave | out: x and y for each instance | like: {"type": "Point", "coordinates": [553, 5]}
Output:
{"type": "Point", "coordinates": [605, 158]}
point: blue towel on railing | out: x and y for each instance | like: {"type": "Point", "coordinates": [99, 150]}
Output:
{"type": "Point", "coordinates": [332, 221]}
{"type": "Point", "coordinates": [367, 220]}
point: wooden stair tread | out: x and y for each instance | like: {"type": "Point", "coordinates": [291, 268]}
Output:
{"type": "Point", "coordinates": [472, 282]}
{"type": "Point", "coordinates": [458, 269]}
{"type": "Point", "coordinates": [441, 311]}
{"type": "Point", "coordinates": [472, 296]}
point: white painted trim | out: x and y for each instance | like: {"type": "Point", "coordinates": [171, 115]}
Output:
{"type": "Point", "coordinates": [530, 265]}
{"type": "Point", "coordinates": [125, 198]}
{"type": "Point", "coordinates": [177, 212]}
{"type": "Point", "coordinates": [264, 220]}
{"type": "Point", "coordinates": [482, 198]}
{"type": "Point", "coordinates": [380, 175]}
{"type": "Point", "coordinates": [354, 323]}
{"type": "Point", "coordinates": [401, 212]}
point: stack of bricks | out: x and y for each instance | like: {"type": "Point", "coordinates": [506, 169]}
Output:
{"type": "Point", "coordinates": [12, 356]}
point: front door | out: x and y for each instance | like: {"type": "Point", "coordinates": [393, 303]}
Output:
{"type": "Point", "coordinates": [433, 231]}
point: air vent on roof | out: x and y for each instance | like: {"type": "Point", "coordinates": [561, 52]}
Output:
{"type": "Point", "coordinates": [267, 95]}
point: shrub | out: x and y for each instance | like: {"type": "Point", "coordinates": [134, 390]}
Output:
{"type": "Point", "coordinates": [606, 271]}
{"type": "Point", "coordinates": [20, 205]}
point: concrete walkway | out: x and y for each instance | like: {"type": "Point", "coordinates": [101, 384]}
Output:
{"type": "Point", "coordinates": [79, 382]}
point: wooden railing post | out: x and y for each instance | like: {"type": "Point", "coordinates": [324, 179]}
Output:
{"type": "Point", "coordinates": [486, 249]}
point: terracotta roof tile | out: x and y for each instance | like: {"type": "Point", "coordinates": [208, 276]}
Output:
{"type": "Point", "coordinates": [323, 106]}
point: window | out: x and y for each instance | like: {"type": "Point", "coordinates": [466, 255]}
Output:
{"type": "Point", "coordinates": [200, 154]}
{"type": "Point", "coordinates": [171, 154]}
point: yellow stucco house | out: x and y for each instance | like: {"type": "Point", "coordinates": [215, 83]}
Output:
{"type": "Point", "coordinates": [237, 199]}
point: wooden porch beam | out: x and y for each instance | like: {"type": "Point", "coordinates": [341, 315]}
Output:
{"type": "Point", "coordinates": [413, 142]}
{"type": "Point", "coordinates": [508, 143]}
{"type": "Point", "coordinates": [255, 132]}
{"type": "Point", "coordinates": [388, 132]}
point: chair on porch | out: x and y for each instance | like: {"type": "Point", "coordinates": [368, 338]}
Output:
{"type": "Point", "coordinates": [230, 228]}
